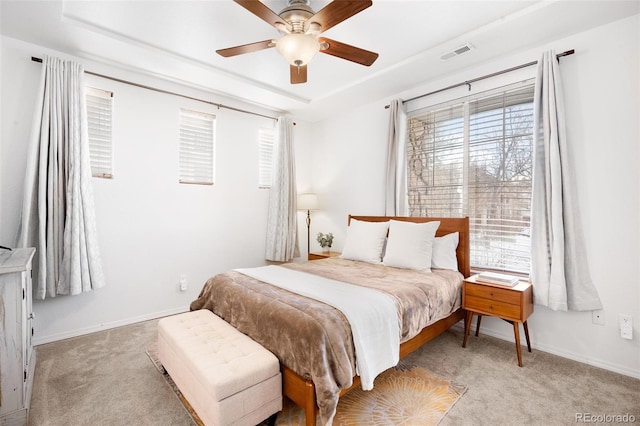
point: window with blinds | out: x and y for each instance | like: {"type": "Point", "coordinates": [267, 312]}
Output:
{"type": "Point", "coordinates": [99, 121]}
{"type": "Point", "coordinates": [266, 139]}
{"type": "Point", "coordinates": [197, 147]}
{"type": "Point", "coordinates": [474, 158]}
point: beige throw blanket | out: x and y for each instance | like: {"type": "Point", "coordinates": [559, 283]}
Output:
{"type": "Point", "coordinates": [371, 315]}
{"type": "Point", "coordinates": [314, 339]}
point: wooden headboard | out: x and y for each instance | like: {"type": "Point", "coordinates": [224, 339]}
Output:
{"type": "Point", "coordinates": [447, 226]}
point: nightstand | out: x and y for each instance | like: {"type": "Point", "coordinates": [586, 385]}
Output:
{"type": "Point", "coordinates": [317, 256]}
{"type": "Point", "coordinates": [512, 304]}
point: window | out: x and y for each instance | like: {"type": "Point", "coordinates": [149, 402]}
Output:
{"type": "Point", "coordinates": [99, 112]}
{"type": "Point", "coordinates": [473, 157]}
{"type": "Point", "coordinates": [197, 140]}
{"type": "Point", "coordinates": [266, 138]}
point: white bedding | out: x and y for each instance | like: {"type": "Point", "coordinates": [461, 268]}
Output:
{"type": "Point", "coordinates": [371, 314]}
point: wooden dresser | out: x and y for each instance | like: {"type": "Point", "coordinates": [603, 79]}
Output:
{"type": "Point", "coordinates": [17, 357]}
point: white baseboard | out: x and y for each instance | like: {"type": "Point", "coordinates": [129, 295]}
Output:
{"type": "Point", "coordinates": [559, 352]}
{"type": "Point", "coordinates": [41, 340]}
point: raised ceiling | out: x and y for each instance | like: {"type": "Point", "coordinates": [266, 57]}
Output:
{"type": "Point", "coordinates": [176, 40]}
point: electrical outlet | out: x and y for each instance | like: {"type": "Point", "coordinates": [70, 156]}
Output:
{"type": "Point", "coordinates": [597, 317]}
{"type": "Point", "coordinates": [625, 319]}
{"type": "Point", "coordinates": [626, 326]}
{"type": "Point", "coordinates": [183, 282]}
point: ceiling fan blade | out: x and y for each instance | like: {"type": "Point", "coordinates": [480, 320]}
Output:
{"type": "Point", "coordinates": [337, 11]}
{"type": "Point", "coordinates": [298, 74]}
{"type": "Point", "coordinates": [261, 11]}
{"type": "Point", "coordinates": [246, 48]}
{"type": "Point", "coordinates": [348, 52]}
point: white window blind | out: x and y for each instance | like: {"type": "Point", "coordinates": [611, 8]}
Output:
{"type": "Point", "coordinates": [266, 139]}
{"type": "Point", "coordinates": [474, 158]}
{"type": "Point", "coordinates": [197, 146]}
{"type": "Point", "coordinates": [99, 120]}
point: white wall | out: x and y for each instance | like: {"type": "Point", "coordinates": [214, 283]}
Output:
{"type": "Point", "coordinates": [151, 228]}
{"type": "Point", "coordinates": [601, 87]}
{"type": "Point", "coordinates": [347, 154]}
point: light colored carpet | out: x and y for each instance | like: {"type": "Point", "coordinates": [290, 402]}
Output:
{"type": "Point", "coordinates": [152, 353]}
{"type": "Point", "coordinates": [103, 378]}
{"type": "Point", "coordinates": [106, 379]}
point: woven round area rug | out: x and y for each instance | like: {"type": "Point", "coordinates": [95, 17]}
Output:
{"type": "Point", "coordinates": [400, 397]}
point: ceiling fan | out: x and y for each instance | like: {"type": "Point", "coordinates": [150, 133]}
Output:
{"type": "Point", "coordinates": [301, 27]}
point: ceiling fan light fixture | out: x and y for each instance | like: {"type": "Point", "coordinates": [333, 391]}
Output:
{"type": "Point", "coordinates": [298, 49]}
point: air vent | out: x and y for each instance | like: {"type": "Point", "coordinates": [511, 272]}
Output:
{"type": "Point", "coordinates": [457, 51]}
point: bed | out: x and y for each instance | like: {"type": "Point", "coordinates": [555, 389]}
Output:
{"type": "Point", "coordinates": [313, 340]}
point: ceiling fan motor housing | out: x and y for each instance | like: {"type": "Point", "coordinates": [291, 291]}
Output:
{"type": "Point", "coordinates": [297, 14]}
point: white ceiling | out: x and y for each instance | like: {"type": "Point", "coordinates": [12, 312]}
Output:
{"type": "Point", "coordinates": [176, 40]}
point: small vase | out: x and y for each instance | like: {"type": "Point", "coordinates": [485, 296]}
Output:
{"type": "Point", "coordinates": [326, 249]}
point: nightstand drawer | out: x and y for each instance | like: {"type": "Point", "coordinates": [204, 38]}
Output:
{"type": "Point", "coordinates": [499, 294]}
{"type": "Point", "coordinates": [491, 307]}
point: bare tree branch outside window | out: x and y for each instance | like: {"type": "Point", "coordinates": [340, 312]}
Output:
{"type": "Point", "coordinates": [489, 139]}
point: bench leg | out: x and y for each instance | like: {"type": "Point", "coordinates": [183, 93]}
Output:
{"type": "Point", "coordinates": [271, 421]}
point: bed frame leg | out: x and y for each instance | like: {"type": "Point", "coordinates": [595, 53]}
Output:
{"type": "Point", "coordinates": [310, 409]}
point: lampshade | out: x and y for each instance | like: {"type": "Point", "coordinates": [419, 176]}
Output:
{"type": "Point", "coordinates": [307, 202]}
{"type": "Point", "coordinates": [298, 49]}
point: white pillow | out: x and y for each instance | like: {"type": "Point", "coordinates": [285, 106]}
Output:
{"type": "Point", "coordinates": [410, 245]}
{"type": "Point", "coordinates": [444, 252]}
{"type": "Point", "coordinates": [365, 240]}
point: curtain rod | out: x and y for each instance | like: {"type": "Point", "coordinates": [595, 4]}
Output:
{"type": "Point", "coordinates": [155, 89]}
{"type": "Point", "coordinates": [468, 82]}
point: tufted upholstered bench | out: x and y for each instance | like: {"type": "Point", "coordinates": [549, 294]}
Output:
{"type": "Point", "coordinates": [228, 378]}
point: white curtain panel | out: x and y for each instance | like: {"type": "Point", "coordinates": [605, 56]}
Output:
{"type": "Point", "coordinates": [282, 223]}
{"type": "Point", "coordinates": [559, 269]}
{"type": "Point", "coordinates": [396, 200]}
{"type": "Point", "coordinates": [58, 216]}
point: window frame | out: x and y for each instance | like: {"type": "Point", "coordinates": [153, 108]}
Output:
{"type": "Point", "coordinates": [266, 142]}
{"type": "Point", "coordinates": [100, 131]}
{"type": "Point", "coordinates": [506, 262]}
{"type": "Point", "coordinates": [189, 172]}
